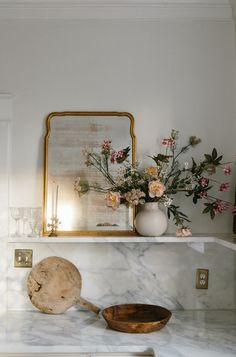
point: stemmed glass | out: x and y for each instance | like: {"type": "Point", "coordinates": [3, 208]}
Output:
{"type": "Point", "coordinates": [25, 219]}
{"type": "Point", "coordinates": [34, 219]}
{"type": "Point", "coordinates": [16, 213]}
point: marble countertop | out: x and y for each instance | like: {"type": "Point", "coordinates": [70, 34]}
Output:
{"type": "Point", "coordinates": [188, 333]}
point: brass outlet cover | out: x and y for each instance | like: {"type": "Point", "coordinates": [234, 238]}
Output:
{"type": "Point", "coordinates": [202, 278]}
{"type": "Point", "coordinates": [23, 258]}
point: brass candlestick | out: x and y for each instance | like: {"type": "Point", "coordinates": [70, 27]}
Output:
{"type": "Point", "coordinates": [53, 226]}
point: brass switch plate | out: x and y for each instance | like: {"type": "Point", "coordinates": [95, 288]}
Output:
{"type": "Point", "coordinates": [202, 278]}
{"type": "Point", "coordinates": [23, 258]}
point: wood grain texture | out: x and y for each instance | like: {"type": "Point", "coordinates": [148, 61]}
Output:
{"type": "Point", "coordinates": [136, 318]}
{"type": "Point", "coordinates": [54, 285]}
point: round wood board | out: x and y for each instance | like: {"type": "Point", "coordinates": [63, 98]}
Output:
{"type": "Point", "coordinates": [54, 285]}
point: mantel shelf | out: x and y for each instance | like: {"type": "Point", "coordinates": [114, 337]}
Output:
{"type": "Point", "coordinates": [228, 241]}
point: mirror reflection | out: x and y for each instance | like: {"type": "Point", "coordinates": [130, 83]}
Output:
{"type": "Point", "coordinates": [69, 206]}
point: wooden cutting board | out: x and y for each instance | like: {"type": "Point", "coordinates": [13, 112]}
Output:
{"type": "Point", "coordinates": [54, 285]}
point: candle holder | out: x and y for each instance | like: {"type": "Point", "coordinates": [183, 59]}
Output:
{"type": "Point", "coordinates": [53, 226]}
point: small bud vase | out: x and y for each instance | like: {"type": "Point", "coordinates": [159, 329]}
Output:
{"type": "Point", "coordinates": [151, 221]}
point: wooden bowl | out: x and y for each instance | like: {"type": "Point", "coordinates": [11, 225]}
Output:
{"type": "Point", "coordinates": [136, 318]}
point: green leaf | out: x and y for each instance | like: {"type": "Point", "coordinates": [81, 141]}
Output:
{"type": "Point", "coordinates": [183, 214]}
{"type": "Point", "coordinates": [160, 158]}
{"type": "Point", "coordinates": [212, 214]}
{"type": "Point", "coordinates": [208, 157]}
{"type": "Point", "coordinates": [218, 160]}
{"type": "Point", "coordinates": [207, 209]}
{"type": "Point", "coordinates": [214, 154]}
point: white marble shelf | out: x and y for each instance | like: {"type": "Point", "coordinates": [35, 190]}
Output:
{"type": "Point", "coordinates": [188, 333]}
{"type": "Point", "coordinates": [228, 241]}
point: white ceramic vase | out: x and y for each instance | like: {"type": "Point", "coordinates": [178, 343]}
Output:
{"type": "Point", "coordinates": [151, 221]}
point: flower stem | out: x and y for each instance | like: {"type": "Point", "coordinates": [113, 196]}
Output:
{"type": "Point", "coordinates": [215, 199]}
{"type": "Point", "coordinates": [101, 169]}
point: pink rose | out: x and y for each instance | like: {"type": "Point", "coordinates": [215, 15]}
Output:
{"type": "Point", "coordinates": [156, 189]}
{"type": "Point", "coordinates": [133, 196]}
{"type": "Point", "coordinates": [183, 232]}
{"type": "Point", "coordinates": [113, 200]}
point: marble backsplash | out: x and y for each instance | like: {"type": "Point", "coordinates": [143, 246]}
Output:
{"type": "Point", "coordinates": [113, 273]}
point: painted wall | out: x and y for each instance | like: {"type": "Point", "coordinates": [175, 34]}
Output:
{"type": "Point", "coordinates": [5, 121]}
{"type": "Point", "coordinates": [168, 74]}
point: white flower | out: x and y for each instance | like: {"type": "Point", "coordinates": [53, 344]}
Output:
{"type": "Point", "coordinates": [167, 201]}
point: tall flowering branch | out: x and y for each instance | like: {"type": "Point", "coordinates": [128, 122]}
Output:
{"type": "Point", "coordinates": [161, 181]}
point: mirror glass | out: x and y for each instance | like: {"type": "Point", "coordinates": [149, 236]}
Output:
{"type": "Point", "coordinates": [66, 173]}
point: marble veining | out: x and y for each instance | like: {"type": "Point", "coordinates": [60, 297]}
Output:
{"type": "Point", "coordinates": [188, 333]}
{"type": "Point", "coordinates": [162, 274]}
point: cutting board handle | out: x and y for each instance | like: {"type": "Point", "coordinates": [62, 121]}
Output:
{"type": "Point", "coordinates": [88, 305]}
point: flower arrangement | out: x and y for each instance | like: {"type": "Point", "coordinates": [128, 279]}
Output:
{"type": "Point", "coordinates": [160, 182]}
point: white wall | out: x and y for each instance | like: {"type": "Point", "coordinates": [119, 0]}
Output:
{"type": "Point", "coordinates": [169, 74]}
{"type": "Point", "coordinates": [6, 105]}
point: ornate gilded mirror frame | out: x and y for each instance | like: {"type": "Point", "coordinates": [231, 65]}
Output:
{"type": "Point", "coordinates": [68, 134]}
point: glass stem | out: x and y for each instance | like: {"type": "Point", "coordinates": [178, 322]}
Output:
{"type": "Point", "coordinates": [17, 227]}
{"type": "Point", "coordinates": [24, 227]}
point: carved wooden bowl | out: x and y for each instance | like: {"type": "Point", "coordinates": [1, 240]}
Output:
{"type": "Point", "coordinates": [136, 318]}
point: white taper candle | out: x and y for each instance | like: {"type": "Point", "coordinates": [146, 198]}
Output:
{"type": "Point", "coordinates": [53, 199]}
{"type": "Point", "coordinates": [56, 204]}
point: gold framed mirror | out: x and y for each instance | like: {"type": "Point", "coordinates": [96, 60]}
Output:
{"type": "Point", "coordinates": [80, 211]}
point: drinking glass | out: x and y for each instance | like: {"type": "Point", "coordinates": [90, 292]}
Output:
{"type": "Point", "coordinates": [25, 219]}
{"type": "Point", "coordinates": [34, 219]}
{"type": "Point", "coordinates": [16, 213]}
